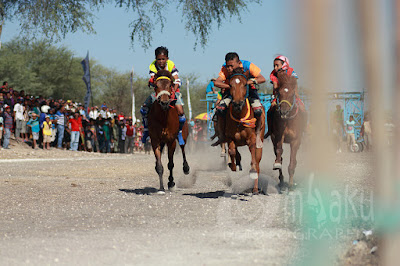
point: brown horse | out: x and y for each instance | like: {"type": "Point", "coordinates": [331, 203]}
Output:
{"type": "Point", "coordinates": [286, 124]}
{"type": "Point", "coordinates": [164, 127]}
{"type": "Point", "coordinates": [240, 127]}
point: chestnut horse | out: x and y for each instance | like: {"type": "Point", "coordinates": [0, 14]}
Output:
{"type": "Point", "coordinates": [240, 129]}
{"type": "Point", "coordinates": [286, 124]}
{"type": "Point", "coordinates": [164, 127]}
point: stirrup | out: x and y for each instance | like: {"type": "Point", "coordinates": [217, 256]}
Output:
{"type": "Point", "coordinates": [180, 138]}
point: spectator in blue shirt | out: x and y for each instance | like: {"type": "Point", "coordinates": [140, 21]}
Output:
{"type": "Point", "coordinates": [33, 123]}
{"type": "Point", "coordinates": [350, 131]}
{"type": "Point", "coordinates": [210, 87]}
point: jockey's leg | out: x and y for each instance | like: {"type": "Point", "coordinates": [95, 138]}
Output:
{"type": "Point", "coordinates": [222, 108]}
{"type": "Point", "coordinates": [182, 117]}
{"type": "Point", "coordinates": [257, 108]}
{"type": "Point", "coordinates": [145, 111]}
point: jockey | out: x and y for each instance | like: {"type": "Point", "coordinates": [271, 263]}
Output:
{"type": "Point", "coordinates": [162, 62]}
{"type": "Point", "coordinates": [232, 62]}
{"type": "Point", "coordinates": [281, 63]}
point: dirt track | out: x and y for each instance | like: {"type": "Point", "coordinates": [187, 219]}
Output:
{"type": "Point", "coordinates": [80, 208]}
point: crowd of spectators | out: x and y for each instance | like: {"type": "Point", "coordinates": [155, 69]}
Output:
{"type": "Point", "coordinates": [55, 123]}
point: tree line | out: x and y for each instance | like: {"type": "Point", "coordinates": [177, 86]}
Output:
{"type": "Point", "coordinates": [41, 68]}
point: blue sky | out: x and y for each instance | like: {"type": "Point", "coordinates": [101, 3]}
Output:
{"type": "Point", "coordinates": [266, 30]}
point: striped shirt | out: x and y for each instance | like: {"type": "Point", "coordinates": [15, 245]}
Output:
{"type": "Point", "coordinates": [8, 123]}
{"type": "Point", "coordinates": [60, 118]}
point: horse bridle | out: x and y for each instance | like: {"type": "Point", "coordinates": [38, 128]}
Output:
{"type": "Point", "coordinates": [247, 85]}
{"type": "Point", "coordinates": [291, 105]}
{"type": "Point", "coordinates": [158, 95]}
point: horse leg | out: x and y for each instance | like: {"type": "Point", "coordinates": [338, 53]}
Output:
{"type": "Point", "coordinates": [232, 154]}
{"type": "Point", "coordinates": [186, 168]}
{"type": "Point", "coordinates": [276, 165]}
{"type": "Point", "coordinates": [253, 168]}
{"type": "Point", "coordinates": [258, 160]}
{"type": "Point", "coordinates": [294, 147]}
{"type": "Point", "coordinates": [159, 167]}
{"type": "Point", "coordinates": [171, 151]}
{"type": "Point", "coordinates": [278, 152]}
{"type": "Point", "coordinates": [238, 158]}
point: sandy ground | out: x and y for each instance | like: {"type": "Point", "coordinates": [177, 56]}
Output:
{"type": "Point", "coordinates": [78, 208]}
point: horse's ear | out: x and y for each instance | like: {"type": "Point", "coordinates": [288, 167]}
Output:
{"type": "Point", "coordinates": [247, 73]}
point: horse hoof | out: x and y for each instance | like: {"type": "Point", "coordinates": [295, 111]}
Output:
{"type": "Point", "coordinates": [216, 143]}
{"type": "Point", "coordinates": [253, 175]}
{"type": "Point", "coordinates": [277, 166]}
{"type": "Point", "coordinates": [186, 169]}
{"type": "Point", "coordinates": [171, 187]}
{"type": "Point", "coordinates": [161, 192]}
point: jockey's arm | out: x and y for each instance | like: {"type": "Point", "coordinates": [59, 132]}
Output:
{"type": "Point", "coordinates": [221, 84]}
{"type": "Point", "coordinates": [177, 84]}
{"type": "Point", "coordinates": [258, 80]}
{"type": "Point", "coordinates": [275, 84]}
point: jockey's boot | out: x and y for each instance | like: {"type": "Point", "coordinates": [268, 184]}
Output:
{"type": "Point", "coordinates": [144, 111]}
{"type": "Point", "coordinates": [182, 120]}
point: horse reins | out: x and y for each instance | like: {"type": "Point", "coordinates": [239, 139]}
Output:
{"type": "Point", "coordinates": [245, 121]}
{"type": "Point", "coordinates": [290, 105]}
{"type": "Point", "coordinates": [247, 85]}
{"type": "Point", "coordinates": [164, 91]}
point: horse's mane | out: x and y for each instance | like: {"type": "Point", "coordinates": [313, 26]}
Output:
{"type": "Point", "coordinates": [238, 70]}
{"type": "Point", "coordinates": [164, 73]}
{"type": "Point", "coordinates": [285, 80]}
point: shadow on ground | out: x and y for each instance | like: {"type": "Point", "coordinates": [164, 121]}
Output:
{"type": "Point", "coordinates": [141, 191]}
{"type": "Point", "coordinates": [210, 195]}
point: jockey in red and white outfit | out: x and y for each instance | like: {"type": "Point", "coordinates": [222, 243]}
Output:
{"type": "Point", "coordinates": [281, 63]}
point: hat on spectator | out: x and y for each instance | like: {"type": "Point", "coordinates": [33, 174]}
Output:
{"type": "Point", "coordinates": [45, 109]}
{"type": "Point", "coordinates": [6, 106]}
{"type": "Point", "coordinates": [47, 116]}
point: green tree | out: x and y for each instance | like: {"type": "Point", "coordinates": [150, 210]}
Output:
{"type": "Point", "coordinates": [42, 69]}
{"type": "Point", "coordinates": [53, 18]}
{"type": "Point", "coordinates": [56, 18]}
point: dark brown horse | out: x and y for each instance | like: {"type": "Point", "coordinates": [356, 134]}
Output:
{"type": "Point", "coordinates": [286, 124]}
{"type": "Point", "coordinates": [240, 125]}
{"type": "Point", "coordinates": [164, 127]}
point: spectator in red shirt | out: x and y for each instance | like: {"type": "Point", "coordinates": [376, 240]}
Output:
{"type": "Point", "coordinates": [130, 136]}
{"type": "Point", "coordinates": [76, 128]}
{"type": "Point", "coordinates": [121, 116]}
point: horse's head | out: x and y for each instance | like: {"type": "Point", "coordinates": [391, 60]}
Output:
{"type": "Point", "coordinates": [238, 83]}
{"type": "Point", "coordinates": [163, 87]}
{"type": "Point", "coordinates": [286, 98]}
